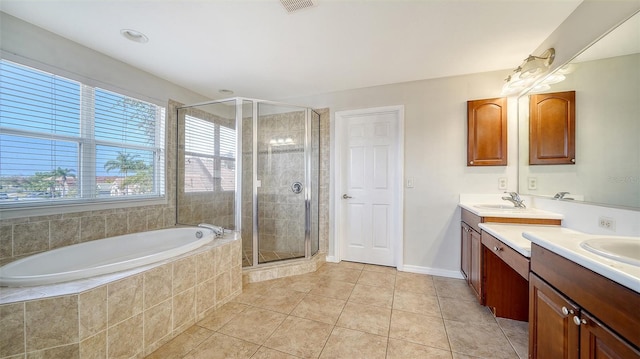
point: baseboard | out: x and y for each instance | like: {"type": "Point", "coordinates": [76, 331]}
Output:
{"type": "Point", "coordinates": [332, 259]}
{"type": "Point", "coordinates": [432, 271]}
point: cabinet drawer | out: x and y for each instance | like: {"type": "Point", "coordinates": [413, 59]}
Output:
{"type": "Point", "coordinates": [515, 260]}
{"type": "Point", "coordinates": [471, 220]}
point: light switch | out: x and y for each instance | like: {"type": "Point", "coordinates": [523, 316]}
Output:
{"type": "Point", "coordinates": [409, 182]}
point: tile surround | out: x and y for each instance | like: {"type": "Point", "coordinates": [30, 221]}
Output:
{"type": "Point", "coordinates": [128, 317]}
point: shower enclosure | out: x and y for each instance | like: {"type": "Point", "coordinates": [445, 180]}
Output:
{"type": "Point", "coordinates": [252, 166]}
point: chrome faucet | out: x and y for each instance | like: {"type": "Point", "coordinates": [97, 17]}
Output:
{"type": "Point", "coordinates": [560, 195]}
{"type": "Point", "coordinates": [514, 198]}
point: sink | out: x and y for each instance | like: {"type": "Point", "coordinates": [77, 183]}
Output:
{"type": "Point", "coordinates": [625, 250]}
{"type": "Point", "coordinates": [499, 206]}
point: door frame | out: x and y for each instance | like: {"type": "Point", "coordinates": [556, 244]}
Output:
{"type": "Point", "coordinates": [336, 221]}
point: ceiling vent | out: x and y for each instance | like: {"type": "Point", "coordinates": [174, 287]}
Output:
{"type": "Point", "coordinates": [295, 5]}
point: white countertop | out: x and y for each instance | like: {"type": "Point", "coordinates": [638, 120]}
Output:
{"type": "Point", "coordinates": [511, 234]}
{"type": "Point", "coordinates": [568, 246]}
{"type": "Point", "coordinates": [508, 212]}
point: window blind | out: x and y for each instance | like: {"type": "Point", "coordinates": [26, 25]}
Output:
{"type": "Point", "coordinates": [63, 140]}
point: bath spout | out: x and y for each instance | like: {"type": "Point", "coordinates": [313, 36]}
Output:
{"type": "Point", "coordinates": [217, 230]}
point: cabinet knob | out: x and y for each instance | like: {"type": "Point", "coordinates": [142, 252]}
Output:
{"type": "Point", "coordinates": [470, 162]}
{"type": "Point", "coordinates": [578, 321]}
{"type": "Point", "coordinates": [566, 311]}
{"type": "Point", "coordinates": [497, 249]}
{"type": "Point", "coordinates": [573, 160]}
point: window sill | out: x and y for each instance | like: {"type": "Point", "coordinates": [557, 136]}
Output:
{"type": "Point", "coordinates": [7, 212]}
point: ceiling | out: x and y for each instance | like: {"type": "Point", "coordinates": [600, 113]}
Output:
{"type": "Point", "coordinates": [258, 49]}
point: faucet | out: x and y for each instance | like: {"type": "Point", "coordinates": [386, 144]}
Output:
{"type": "Point", "coordinates": [515, 199]}
{"type": "Point", "coordinates": [560, 195]}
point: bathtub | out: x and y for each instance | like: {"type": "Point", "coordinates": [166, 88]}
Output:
{"type": "Point", "coordinates": [103, 256]}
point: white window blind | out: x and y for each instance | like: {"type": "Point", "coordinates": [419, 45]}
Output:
{"type": "Point", "coordinates": [61, 140]}
{"type": "Point", "coordinates": [210, 156]}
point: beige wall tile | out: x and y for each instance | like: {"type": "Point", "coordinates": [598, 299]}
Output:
{"type": "Point", "coordinates": [92, 228]}
{"type": "Point", "coordinates": [92, 309]}
{"type": "Point", "coordinates": [223, 286]}
{"type": "Point", "coordinates": [94, 347]}
{"type": "Point", "coordinates": [184, 274]}
{"type": "Point", "coordinates": [205, 296]}
{"type": "Point", "coordinates": [6, 241]}
{"type": "Point", "coordinates": [157, 285]}
{"type": "Point", "coordinates": [154, 218]}
{"type": "Point", "coordinates": [51, 322]}
{"type": "Point", "coordinates": [124, 340]}
{"type": "Point", "coordinates": [71, 351]}
{"type": "Point", "coordinates": [206, 267]}
{"type": "Point", "coordinates": [30, 237]}
{"type": "Point", "coordinates": [11, 329]}
{"type": "Point", "coordinates": [137, 221]}
{"type": "Point", "coordinates": [64, 232]}
{"type": "Point", "coordinates": [157, 322]}
{"type": "Point", "coordinates": [184, 308]}
{"type": "Point", "coordinates": [116, 223]}
{"type": "Point", "coordinates": [125, 298]}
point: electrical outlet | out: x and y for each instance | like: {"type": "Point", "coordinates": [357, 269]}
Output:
{"type": "Point", "coordinates": [607, 223]}
{"type": "Point", "coordinates": [533, 183]}
{"type": "Point", "coordinates": [502, 183]}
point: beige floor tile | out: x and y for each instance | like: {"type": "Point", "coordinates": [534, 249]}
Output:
{"type": "Point", "coordinates": [517, 333]}
{"type": "Point", "coordinates": [385, 280]}
{"type": "Point", "coordinates": [221, 316]}
{"type": "Point", "coordinates": [300, 337]}
{"type": "Point", "coordinates": [418, 283]}
{"type": "Point", "coordinates": [370, 295]}
{"type": "Point", "coordinates": [354, 344]}
{"type": "Point", "coordinates": [419, 329]}
{"type": "Point", "coordinates": [400, 349]}
{"type": "Point", "coordinates": [453, 288]}
{"type": "Point", "coordinates": [367, 318]}
{"type": "Point", "coordinates": [322, 309]}
{"type": "Point", "coordinates": [280, 300]}
{"type": "Point", "coordinates": [299, 283]}
{"type": "Point", "coordinates": [465, 311]}
{"type": "Point", "coordinates": [333, 289]}
{"type": "Point", "coordinates": [266, 353]}
{"type": "Point", "coordinates": [483, 340]}
{"type": "Point", "coordinates": [380, 269]}
{"type": "Point", "coordinates": [253, 325]}
{"type": "Point", "coordinates": [220, 346]}
{"type": "Point", "coordinates": [342, 274]}
{"type": "Point", "coordinates": [415, 302]}
{"type": "Point", "coordinates": [182, 344]}
{"type": "Point", "coordinates": [351, 265]}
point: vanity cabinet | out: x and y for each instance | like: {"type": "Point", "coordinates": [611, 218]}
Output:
{"type": "Point", "coordinates": [487, 132]}
{"type": "Point", "coordinates": [471, 257]}
{"type": "Point", "coordinates": [576, 313]}
{"type": "Point", "coordinates": [552, 128]}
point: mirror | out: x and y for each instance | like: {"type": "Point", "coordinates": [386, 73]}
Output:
{"type": "Point", "coordinates": [606, 79]}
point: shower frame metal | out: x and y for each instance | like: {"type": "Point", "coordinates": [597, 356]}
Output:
{"type": "Point", "coordinates": [239, 103]}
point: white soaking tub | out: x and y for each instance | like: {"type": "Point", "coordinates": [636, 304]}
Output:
{"type": "Point", "coordinates": [103, 256]}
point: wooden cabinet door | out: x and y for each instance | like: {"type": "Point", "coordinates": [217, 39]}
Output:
{"type": "Point", "coordinates": [487, 132]}
{"type": "Point", "coordinates": [475, 275]}
{"type": "Point", "coordinates": [552, 132]}
{"type": "Point", "coordinates": [552, 331]}
{"type": "Point", "coordinates": [598, 342]}
{"type": "Point", "coordinates": [465, 256]}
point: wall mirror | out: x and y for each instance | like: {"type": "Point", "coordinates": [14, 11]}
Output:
{"type": "Point", "coordinates": [606, 79]}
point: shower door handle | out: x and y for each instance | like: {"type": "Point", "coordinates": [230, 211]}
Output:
{"type": "Point", "coordinates": [345, 196]}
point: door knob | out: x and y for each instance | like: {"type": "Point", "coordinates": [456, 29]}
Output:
{"type": "Point", "coordinates": [345, 196]}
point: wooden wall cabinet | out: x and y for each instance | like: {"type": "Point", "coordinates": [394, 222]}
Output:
{"type": "Point", "coordinates": [576, 313]}
{"type": "Point", "coordinates": [487, 132]}
{"type": "Point", "coordinates": [552, 132]}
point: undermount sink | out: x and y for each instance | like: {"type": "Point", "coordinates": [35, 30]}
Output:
{"type": "Point", "coordinates": [626, 250]}
{"type": "Point", "coordinates": [498, 206]}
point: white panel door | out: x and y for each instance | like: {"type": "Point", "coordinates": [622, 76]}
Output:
{"type": "Point", "coordinates": [369, 186]}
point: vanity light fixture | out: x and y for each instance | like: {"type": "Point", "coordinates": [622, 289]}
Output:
{"type": "Point", "coordinates": [526, 74]}
{"type": "Point", "coordinates": [135, 36]}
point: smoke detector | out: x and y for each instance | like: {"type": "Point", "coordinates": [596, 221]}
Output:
{"type": "Point", "coordinates": [295, 5]}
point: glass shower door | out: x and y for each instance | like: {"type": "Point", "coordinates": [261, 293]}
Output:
{"type": "Point", "coordinates": [281, 182]}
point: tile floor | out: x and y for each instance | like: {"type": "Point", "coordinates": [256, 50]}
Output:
{"type": "Point", "coordinates": [352, 310]}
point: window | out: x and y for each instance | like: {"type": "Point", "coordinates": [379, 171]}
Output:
{"type": "Point", "coordinates": [61, 140]}
{"type": "Point", "coordinates": [210, 152]}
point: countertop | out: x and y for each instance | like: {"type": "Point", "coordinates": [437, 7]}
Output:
{"type": "Point", "coordinates": [511, 234]}
{"type": "Point", "coordinates": [567, 245]}
{"type": "Point", "coordinates": [508, 212]}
